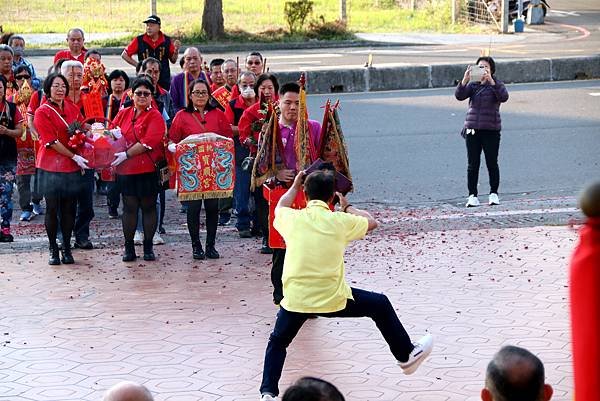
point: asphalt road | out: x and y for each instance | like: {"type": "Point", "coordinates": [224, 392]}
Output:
{"type": "Point", "coordinates": [572, 28]}
{"type": "Point", "coordinates": [405, 148]}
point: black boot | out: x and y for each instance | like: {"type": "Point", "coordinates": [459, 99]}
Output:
{"type": "Point", "coordinates": [197, 251]}
{"type": "Point", "coordinates": [211, 252]}
{"type": "Point", "coordinates": [148, 252]}
{"type": "Point", "coordinates": [54, 259]}
{"type": "Point", "coordinates": [67, 257]}
{"type": "Point", "coordinates": [129, 254]}
{"type": "Point", "coordinates": [266, 249]}
{"type": "Point", "coordinates": [211, 236]}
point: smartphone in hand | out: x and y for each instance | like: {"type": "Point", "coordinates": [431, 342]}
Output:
{"type": "Point", "coordinates": [477, 72]}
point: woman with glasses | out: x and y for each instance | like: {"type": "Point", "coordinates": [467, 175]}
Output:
{"type": "Point", "coordinates": [59, 167]}
{"type": "Point", "coordinates": [29, 200]}
{"type": "Point", "coordinates": [143, 128]}
{"type": "Point", "coordinates": [198, 117]}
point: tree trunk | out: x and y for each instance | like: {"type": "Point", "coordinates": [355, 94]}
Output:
{"type": "Point", "coordinates": [212, 19]}
{"type": "Point", "coordinates": [343, 14]}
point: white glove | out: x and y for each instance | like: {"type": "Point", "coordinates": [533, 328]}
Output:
{"type": "Point", "coordinates": [172, 147]}
{"type": "Point", "coordinates": [120, 157]}
{"type": "Point", "coordinates": [81, 162]}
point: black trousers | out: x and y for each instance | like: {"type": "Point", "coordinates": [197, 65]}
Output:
{"type": "Point", "coordinates": [26, 194]}
{"type": "Point", "coordinates": [211, 207]}
{"type": "Point", "coordinates": [365, 304]}
{"type": "Point", "coordinates": [489, 142]}
{"type": "Point", "coordinates": [276, 273]}
{"type": "Point", "coordinates": [262, 211]}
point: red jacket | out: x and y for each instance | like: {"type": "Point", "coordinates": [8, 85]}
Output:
{"type": "Point", "coordinates": [184, 124]}
{"type": "Point", "coordinates": [66, 54]}
{"type": "Point", "coordinates": [250, 125]}
{"type": "Point", "coordinates": [52, 127]}
{"type": "Point", "coordinates": [149, 129]}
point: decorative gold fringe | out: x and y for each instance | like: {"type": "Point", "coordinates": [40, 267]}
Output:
{"type": "Point", "coordinates": [204, 195]}
{"type": "Point", "coordinates": [270, 130]}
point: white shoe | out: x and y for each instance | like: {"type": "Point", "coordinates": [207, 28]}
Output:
{"type": "Point", "coordinates": [421, 351]}
{"type": "Point", "coordinates": [158, 240]}
{"type": "Point", "coordinates": [268, 397]}
{"type": "Point", "coordinates": [493, 200]}
{"type": "Point", "coordinates": [472, 201]}
{"type": "Point", "coordinates": [138, 238]}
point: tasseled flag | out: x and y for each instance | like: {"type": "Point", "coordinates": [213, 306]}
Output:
{"type": "Point", "coordinates": [269, 156]}
{"type": "Point", "coordinates": [333, 146]}
{"type": "Point", "coordinates": [303, 146]}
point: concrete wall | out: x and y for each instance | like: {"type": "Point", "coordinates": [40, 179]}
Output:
{"type": "Point", "coordinates": [442, 75]}
{"type": "Point", "coordinates": [393, 77]}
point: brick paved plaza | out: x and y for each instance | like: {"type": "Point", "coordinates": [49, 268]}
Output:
{"type": "Point", "coordinates": [197, 330]}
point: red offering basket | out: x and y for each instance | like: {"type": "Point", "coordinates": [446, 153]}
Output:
{"type": "Point", "coordinates": [107, 174]}
{"type": "Point", "coordinates": [101, 153]}
{"type": "Point", "coordinates": [100, 149]}
{"type": "Point", "coordinates": [272, 195]}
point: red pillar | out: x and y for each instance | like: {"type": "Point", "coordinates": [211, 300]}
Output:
{"type": "Point", "coordinates": [585, 301]}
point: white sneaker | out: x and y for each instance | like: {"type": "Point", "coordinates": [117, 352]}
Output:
{"type": "Point", "coordinates": [493, 200]}
{"type": "Point", "coordinates": [158, 240]}
{"type": "Point", "coordinates": [421, 351]}
{"type": "Point", "coordinates": [472, 201]}
{"type": "Point", "coordinates": [268, 397]}
{"type": "Point", "coordinates": [138, 238]}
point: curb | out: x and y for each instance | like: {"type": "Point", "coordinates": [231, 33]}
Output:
{"type": "Point", "coordinates": [370, 79]}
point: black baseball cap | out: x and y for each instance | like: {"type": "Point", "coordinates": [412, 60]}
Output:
{"type": "Point", "coordinates": [153, 19]}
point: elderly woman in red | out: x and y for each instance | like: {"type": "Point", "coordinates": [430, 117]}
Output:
{"type": "Point", "coordinates": [198, 117]}
{"type": "Point", "coordinates": [59, 166]}
{"type": "Point", "coordinates": [144, 129]}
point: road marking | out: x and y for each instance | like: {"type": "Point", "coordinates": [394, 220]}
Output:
{"type": "Point", "coordinates": [404, 52]}
{"type": "Point", "coordinates": [594, 93]}
{"type": "Point", "coordinates": [303, 56]}
{"type": "Point", "coordinates": [502, 213]}
{"type": "Point", "coordinates": [584, 32]}
{"type": "Point", "coordinates": [564, 13]}
{"type": "Point", "coordinates": [300, 62]}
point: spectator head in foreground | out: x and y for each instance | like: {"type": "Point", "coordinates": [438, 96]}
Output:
{"type": "Point", "coordinates": [515, 374]}
{"type": "Point", "coordinates": [128, 391]}
{"type": "Point", "coordinates": [312, 389]}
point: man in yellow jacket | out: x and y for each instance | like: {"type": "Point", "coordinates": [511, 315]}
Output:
{"type": "Point", "coordinates": [314, 277]}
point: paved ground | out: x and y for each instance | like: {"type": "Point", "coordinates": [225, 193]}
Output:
{"type": "Point", "coordinates": [197, 330]}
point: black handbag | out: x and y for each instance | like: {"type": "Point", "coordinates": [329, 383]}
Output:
{"type": "Point", "coordinates": [163, 173]}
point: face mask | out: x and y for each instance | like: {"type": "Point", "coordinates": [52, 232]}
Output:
{"type": "Point", "coordinates": [248, 93]}
{"type": "Point", "coordinates": [18, 50]}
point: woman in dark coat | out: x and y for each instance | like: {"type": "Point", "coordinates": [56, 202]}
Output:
{"type": "Point", "coordinates": [482, 124]}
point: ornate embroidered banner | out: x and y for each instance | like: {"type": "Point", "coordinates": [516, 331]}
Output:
{"type": "Point", "coordinates": [205, 167]}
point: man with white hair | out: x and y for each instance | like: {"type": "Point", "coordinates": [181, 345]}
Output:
{"type": "Point", "coordinates": [76, 50]}
{"type": "Point", "coordinates": [73, 71]}
{"type": "Point", "coordinates": [128, 391]}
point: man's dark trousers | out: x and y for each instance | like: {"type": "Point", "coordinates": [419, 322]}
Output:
{"type": "Point", "coordinates": [85, 207]}
{"type": "Point", "coordinates": [365, 304]}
